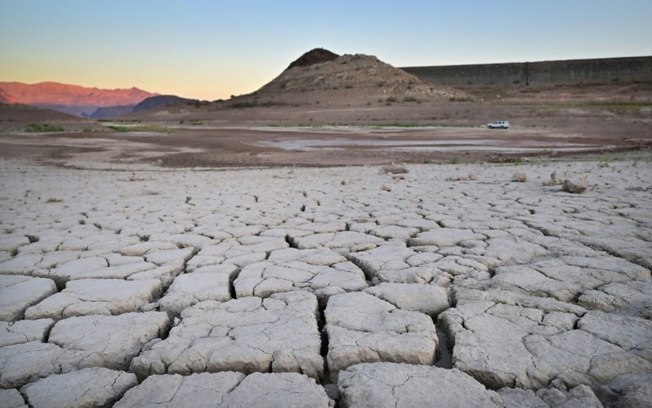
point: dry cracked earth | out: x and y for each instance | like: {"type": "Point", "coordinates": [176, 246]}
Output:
{"type": "Point", "coordinates": [429, 285]}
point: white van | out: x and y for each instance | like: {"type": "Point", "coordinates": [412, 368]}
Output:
{"type": "Point", "coordinates": [498, 124]}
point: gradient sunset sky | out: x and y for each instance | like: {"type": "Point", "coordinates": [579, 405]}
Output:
{"type": "Point", "coordinates": [214, 49]}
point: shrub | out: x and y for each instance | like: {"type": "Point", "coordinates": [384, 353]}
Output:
{"type": "Point", "coordinates": [42, 127]}
{"type": "Point", "coordinates": [139, 128]}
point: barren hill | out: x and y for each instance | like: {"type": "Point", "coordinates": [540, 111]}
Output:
{"type": "Point", "coordinates": [320, 76]}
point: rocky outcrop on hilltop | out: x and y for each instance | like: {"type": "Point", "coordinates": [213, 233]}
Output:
{"type": "Point", "coordinates": [315, 56]}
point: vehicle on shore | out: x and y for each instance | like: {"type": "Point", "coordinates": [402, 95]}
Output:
{"type": "Point", "coordinates": [498, 124]}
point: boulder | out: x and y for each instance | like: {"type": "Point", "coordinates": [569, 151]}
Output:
{"type": "Point", "coordinates": [519, 177]}
{"type": "Point", "coordinates": [575, 187]}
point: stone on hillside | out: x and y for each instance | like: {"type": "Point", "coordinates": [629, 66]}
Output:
{"type": "Point", "coordinates": [363, 328]}
{"type": "Point", "coordinates": [249, 334]}
{"type": "Point", "coordinates": [89, 387]}
{"type": "Point", "coordinates": [17, 293]}
{"type": "Point", "coordinates": [402, 385]}
{"type": "Point", "coordinates": [96, 297]}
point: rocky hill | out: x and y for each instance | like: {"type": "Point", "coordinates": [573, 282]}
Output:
{"type": "Point", "coordinates": [72, 99]}
{"type": "Point", "coordinates": [151, 103]}
{"type": "Point", "coordinates": [160, 101]}
{"type": "Point", "coordinates": [320, 76]}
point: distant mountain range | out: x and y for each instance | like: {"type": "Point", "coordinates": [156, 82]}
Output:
{"type": "Point", "coordinates": [72, 99]}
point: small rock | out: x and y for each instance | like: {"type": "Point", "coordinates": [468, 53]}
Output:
{"type": "Point", "coordinates": [393, 170]}
{"type": "Point", "coordinates": [519, 177]}
{"type": "Point", "coordinates": [468, 177]}
{"type": "Point", "coordinates": [575, 187]}
{"type": "Point", "coordinates": [556, 178]}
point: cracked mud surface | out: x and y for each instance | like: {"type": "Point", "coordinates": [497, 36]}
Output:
{"type": "Point", "coordinates": [321, 287]}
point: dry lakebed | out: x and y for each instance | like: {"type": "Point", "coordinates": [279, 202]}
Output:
{"type": "Point", "coordinates": [466, 285]}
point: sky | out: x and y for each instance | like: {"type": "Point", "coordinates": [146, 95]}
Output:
{"type": "Point", "coordinates": [212, 49]}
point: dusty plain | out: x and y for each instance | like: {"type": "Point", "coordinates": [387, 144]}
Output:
{"type": "Point", "coordinates": [386, 253]}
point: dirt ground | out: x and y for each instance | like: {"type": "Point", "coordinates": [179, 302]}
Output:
{"type": "Point", "coordinates": [548, 122]}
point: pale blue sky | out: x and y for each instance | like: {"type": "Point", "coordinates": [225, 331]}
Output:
{"type": "Point", "coordinates": [212, 49]}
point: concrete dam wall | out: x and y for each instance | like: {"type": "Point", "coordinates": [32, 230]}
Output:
{"type": "Point", "coordinates": [605, 70]}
